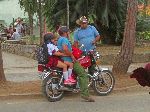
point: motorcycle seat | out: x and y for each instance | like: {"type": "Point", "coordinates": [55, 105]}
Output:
{"type": "Point", "coordinates": [53, 68]}
{"type": "Point", "coordinates": [56, 68]}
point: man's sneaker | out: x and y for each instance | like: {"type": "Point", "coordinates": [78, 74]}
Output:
{"type": "Point", "coordinates": [88, 98]}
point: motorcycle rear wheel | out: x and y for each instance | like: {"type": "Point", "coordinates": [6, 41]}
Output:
{"type": "Point", "coordinates": [104, 83]}
{"type": "Point", "coordinates": [50, 89]}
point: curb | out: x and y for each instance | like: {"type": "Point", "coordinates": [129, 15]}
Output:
{"type": "Point", "coordinates": [27, 95]}
{"type": "Point", "coordinates": [39, 95]}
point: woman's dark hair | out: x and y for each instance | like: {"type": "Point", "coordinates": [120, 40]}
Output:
{"type": "Point", "coordinates": [62, 29]}
{"type": "Point", "coordinates": [48, 37]}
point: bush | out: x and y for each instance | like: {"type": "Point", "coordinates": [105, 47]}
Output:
{"type": "Point", "coordinates": [143, 24]}
{"type": "Point", "coordinates": [145, 35]}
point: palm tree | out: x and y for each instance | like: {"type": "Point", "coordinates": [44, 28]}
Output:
{"type": "Point", "coordinates": [55, 12]}
{"type": "Point", "coordinates": [108, 16]}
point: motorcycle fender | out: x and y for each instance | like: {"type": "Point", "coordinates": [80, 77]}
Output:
{"type": "Point", "coordinates": [45, 75]}
{"type": "Point", "coordinates": [103, 69]}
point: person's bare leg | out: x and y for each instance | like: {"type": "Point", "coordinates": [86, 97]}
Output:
{"type": "Point", "coordinates": [70, 64]}
{"type": "Point", "coordinates": [64, 67]}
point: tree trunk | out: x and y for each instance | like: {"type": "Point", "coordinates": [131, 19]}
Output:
{"type": "Point", "coordinates": [2, 75]}
{"type": "Point", "coordinates": [68, 13]}
{"type": "Point", "coordinates": [40, 23]}
{"type": "Point", "coordinates": [30, 22]}
{"type": "Point", "coordinates": [124, 58]}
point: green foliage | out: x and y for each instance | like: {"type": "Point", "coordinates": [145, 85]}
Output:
{"type": "Point", "coordinates": [142, 1]}
{"type": "Point", "coordinates": [110, 19]}
{"type": "Point", "coordinates": [145, 35]}
{"type": "Point", "coordinates": [48, 12]}
{"type": "Point", "coordinates": [56, 12]}
{"type": "Point", "coordinates": [29, 6]}
{"type": "Point", "coordinates": [31, 40]}
{"type": "Point", "coordinates": [107, 15]}
{"type": "Point", "coordinates": [143, 24]}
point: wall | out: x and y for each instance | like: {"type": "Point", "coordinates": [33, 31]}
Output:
{"type": "Point", "coordinates": [23, 50]}
{"type": "Point", "coordinates": [29, 51]}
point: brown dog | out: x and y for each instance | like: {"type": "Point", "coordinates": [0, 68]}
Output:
{"type": "Point", "coordinates": [142, 75]}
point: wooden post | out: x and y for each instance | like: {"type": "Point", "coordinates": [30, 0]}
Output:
{"type": "Point", "coordinates": [2, 75]}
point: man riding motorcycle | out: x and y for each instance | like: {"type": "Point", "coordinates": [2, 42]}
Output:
{"type": "Point", "coordinates": [87, 35]}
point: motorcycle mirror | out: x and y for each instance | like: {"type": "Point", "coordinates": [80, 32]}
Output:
{"type": "Point", "coordinates": [82, 45]}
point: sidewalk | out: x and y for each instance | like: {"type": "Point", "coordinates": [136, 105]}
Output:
{"type": "Point", "coordinates": [19, 68]}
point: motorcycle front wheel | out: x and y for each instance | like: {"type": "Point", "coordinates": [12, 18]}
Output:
{"type": "Point", "coordinates": [104, 83]}
{"type": "Point", "coordinates": [50, 89]}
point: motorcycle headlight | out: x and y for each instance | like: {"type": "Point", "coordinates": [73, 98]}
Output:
{"type": "Point", "coordinates": [97, 55]}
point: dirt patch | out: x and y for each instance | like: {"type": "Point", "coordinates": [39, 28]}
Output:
{"type": "Point", "coordinates": [10, 88]}
{"type": "Point", "coordinates": [109, 53]}
{"type": "Point", "coordinates": [124, 81]}
{"type": "Point", "coordinates": [107, 50]}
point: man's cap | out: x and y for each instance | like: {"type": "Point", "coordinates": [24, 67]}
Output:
{"type": "Point", "coordinates": [82, 19]}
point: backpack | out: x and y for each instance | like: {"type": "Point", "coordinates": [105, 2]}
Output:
{"type": "Point", "coordinates": [42, 54]}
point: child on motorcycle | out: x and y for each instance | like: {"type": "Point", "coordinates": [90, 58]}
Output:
{"type": "Point", "coordinates": [54, 53]}
{"type": "Point", "coordinates": [65, 46]}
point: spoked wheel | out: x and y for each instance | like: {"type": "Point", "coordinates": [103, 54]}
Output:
{"type": "Point", "coordinates": [104, 83]}
{"type": "Point", "coordinates": [50, 89]}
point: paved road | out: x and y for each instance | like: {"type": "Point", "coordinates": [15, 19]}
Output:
{"type": "Point", "coordinates": [133, 102]}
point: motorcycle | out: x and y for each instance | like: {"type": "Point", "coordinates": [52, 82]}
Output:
{"type": "Point", "coordinates": [101, 80]}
